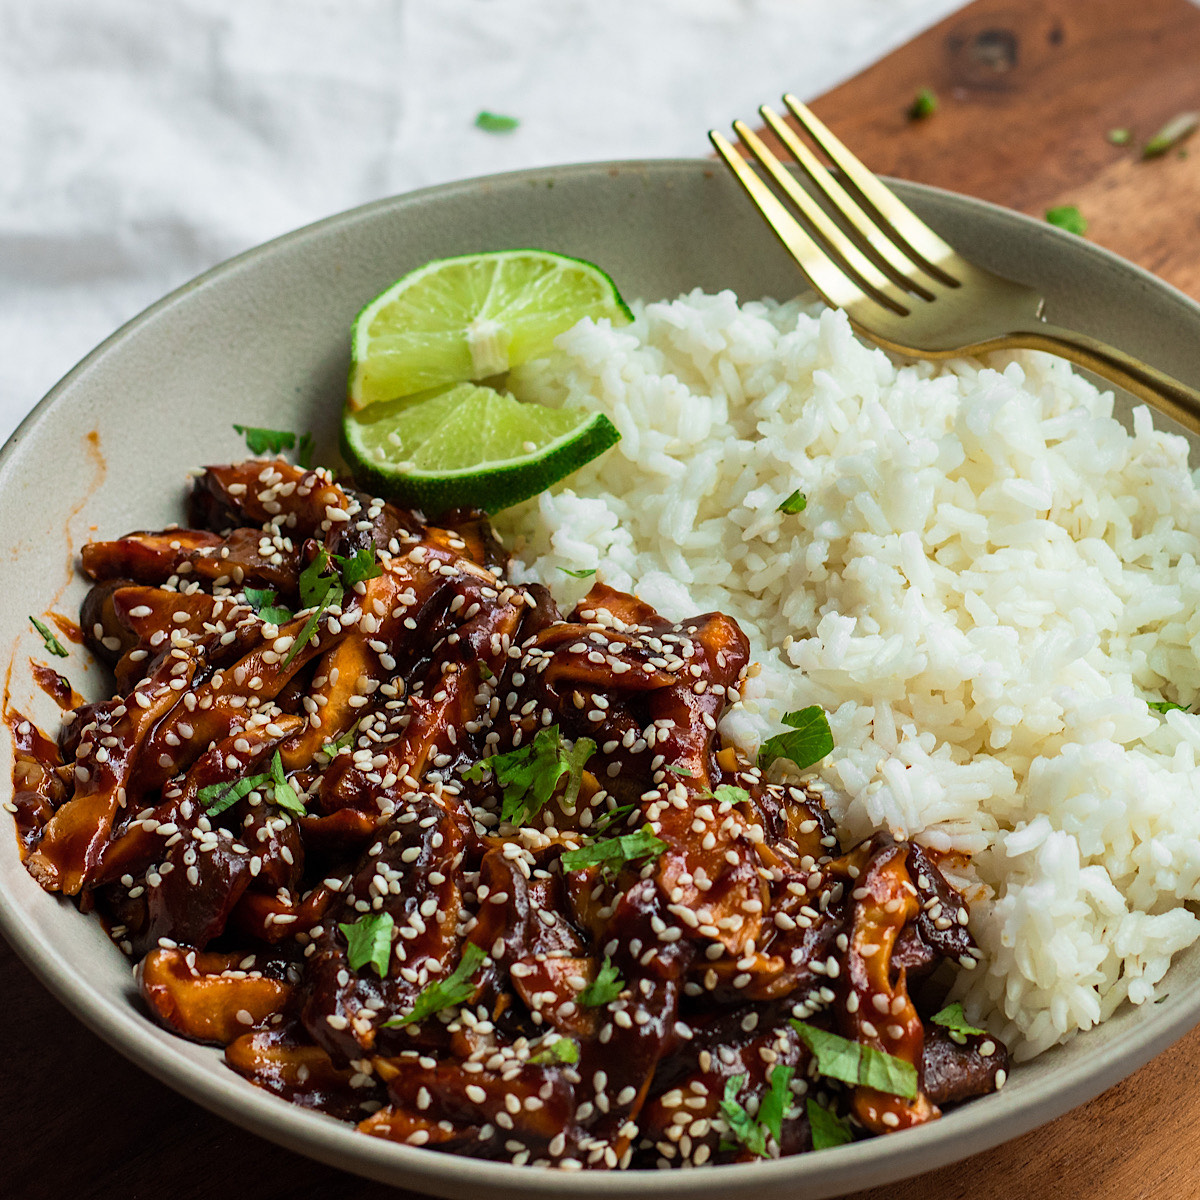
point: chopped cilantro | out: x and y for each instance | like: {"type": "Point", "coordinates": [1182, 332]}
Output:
{"type": "Point", "coordinates": [486, 673]}
{"type": "Point", "coordinates": [606, 987]}
{"type": "Point", "coordinates": [1166, 706]}
{"type": "Point", "coordinates": [276, 441]}
{"type": "Point", "coordinates": [1119, 137]}
{"type": "Point", "coordinates": [828, 1129]}
{"type": "Point", "coordinates": [1171, 134]}
{"type": "Point", "coordinates": [578, 574]}
{"type": "Point", "coordinates": [741, 1124]}
{"type": "Point", "coordinates": [615, 852]}
{"type": "Point", "coordinates": [315, 582]}
{"type": "Point", "coordinates": [1068, 217]}
{"type": "Point", "coordinates": [529, 775]}
{"type": "Point", "coordinates": [217, 797]}
{"type": "Point", "coordinates": [457, 988]}
{"type": "Point", "coordinates": [576, 759]}
{"type": "Point", "coordinates": [924, 105]}
{"type": "Point", "coordinates": [358, 567]}
{"type": "Point", "coordinates": [564, 1050]}
{"type": "Point", "coordinates": [753, 1132]}
{"type": "Point", "coordinates": [318, 591]}
{"type": "Point", "coordinates": [610, 818]}
{"type": "Point", "coordinates": [728, 794]}
{"type": "Point", "coordinates": [797, 502]}
{"type": "Point", "coordinates": [262, 600]}
{"type": "Point", "coordinates": [347, 739]}
{"type": "Point", "coordinates": [266, 441]}
{"type": "Point", "coordinates": [864, 1066]}
{"type": "Point", "coordinates": [52, 644]}
{"type": "Point", "coordinates": [491, 122]}
{"type": "Point", "coordinates": [806, 743]}
{"type": "Point", "coordinates": [369, 940]}
{"type": "Point", "coordinates": [686, 772]}
{"type": "Point", "coordinates": [776, 1102]}
{"type": "Point", "coordinates": [282, 792]}
{"type": "Point", "coordinates": [953, 1019]}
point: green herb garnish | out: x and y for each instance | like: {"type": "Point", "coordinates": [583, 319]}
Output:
{"type": "Point", "coordinates": [358, 567]}
{"type": "Point", "coordinates": [610, 818]}
{"type": "Point", "coordinates": [776, 1102]}
{"type": "Point", "coordinates": [828, 1129]}
{"type": "Point", "coordinates": [262, 600]}
{"type": "Point", "coordinates": [797, 502]}
{"type": "Point", "coordinates": [606, 987]}
{"type": "Point", "coordinates": [564, 1050]}
{"type": "Point", "coordinates": [924, 105]}
{"type": "Point", "coordinates": [807, 742]}
{"type": "Point", "coordinates": [316, 580]}
{"type": "Point", "coordinates": [529, 775]}
{"type": "Point", "coordinates": [457, 988]}
{"type": "Point", "coordinates": [282, 792]}
{"type": "Point", "coordinates": [953, 1019]}
{"type": "Point", "coordinates": [728, 794]}
{"type": "Point", "coordinates": [1166, 706]}
{"type": "Point", "coordinates": [578, 574]}
{"type": "Point", "coordinates": [52, 644]}
{"type": "Point", "coordinates": [369, 940]}
{"type": "Point", "coordinates": [491, 122]}
{"type": "Point", "coordinates": [217, 797]}
{"type": "Point", "coordinates": [1068, 217]}
{"type": "Point", "coordinates": [318, 591]}
{"type": "Point", "coordinates": [1119, 137]}
{"type": "Point", "coordinates": [331, 748]}
{"type": "Point", "coordinates": [1171, 134]}
{"type": "Point", "coordinates": [304, 451]}
{"type": "Point", "coordinates": [275, 441]}
{"type": "Point", "coordinates": [753, 1132]}
{"type": "Point", "coordinates": [864, 1066]}
{"type": "Point", "coordinates": [741, 1124]}
{"type": "Point", "coordinates": [686, 772]}
{"type": "Point", "coordinates": [615, 852]}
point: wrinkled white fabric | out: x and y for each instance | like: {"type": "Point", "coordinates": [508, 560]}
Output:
{"type": "Point", "coordinates": [143, 141]}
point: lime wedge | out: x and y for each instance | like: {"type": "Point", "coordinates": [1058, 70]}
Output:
{"type": "Point", "coordinates": [468, 446]}
{"type": "Point", "coordinates": [468, 318]}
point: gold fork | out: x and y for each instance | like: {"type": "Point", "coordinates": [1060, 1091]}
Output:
{"type": "Point", "coordinates": [899, 283]}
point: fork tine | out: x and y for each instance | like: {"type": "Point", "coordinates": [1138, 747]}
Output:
{"type": "Point", "coordinates": [897, 265]}
{"type": "Point", "coordinates": [911, 234]}
{"type": "Point", "coordinates": [881, 288]}
{"type": "Point", "coordinates": [833, 284]}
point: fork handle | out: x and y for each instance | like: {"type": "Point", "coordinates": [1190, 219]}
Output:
{"type": "Point", "coordinates": [1158, 389]}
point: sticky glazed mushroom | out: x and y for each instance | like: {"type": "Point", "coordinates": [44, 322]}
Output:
{"type": "Point", "coordinates": [423, 853]}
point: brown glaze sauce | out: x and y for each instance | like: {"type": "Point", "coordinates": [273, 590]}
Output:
{"type": "Point", "coordinates": [608, 1013]}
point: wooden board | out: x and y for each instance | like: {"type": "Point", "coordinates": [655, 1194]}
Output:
{"type": "Point", "coordinates": [1028, 91]}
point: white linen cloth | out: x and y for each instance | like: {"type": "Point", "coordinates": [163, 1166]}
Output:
{"type": "Point", "coordinates": [143, 141]}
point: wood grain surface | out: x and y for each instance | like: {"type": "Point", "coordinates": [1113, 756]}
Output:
{"type": "Point", "coordinates": [1027, 92]}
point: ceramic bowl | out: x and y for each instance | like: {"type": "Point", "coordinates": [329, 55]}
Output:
{"type": "Point", "coordinates": [262, 340]}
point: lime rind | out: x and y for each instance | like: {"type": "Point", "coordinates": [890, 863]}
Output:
{"type": "Point", "coordinates": [492, 485]}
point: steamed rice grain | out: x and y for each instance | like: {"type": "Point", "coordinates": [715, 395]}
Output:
{"type": "Point", "coordinates": [991, 578]}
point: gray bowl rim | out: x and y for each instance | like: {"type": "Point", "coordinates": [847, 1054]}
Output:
{"type": "Point", "coordinates": [957, 1135]}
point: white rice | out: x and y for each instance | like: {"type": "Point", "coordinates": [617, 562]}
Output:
{"type": "Point", "coordinates": [991, 578]}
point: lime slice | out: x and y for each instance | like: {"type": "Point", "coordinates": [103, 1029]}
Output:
{"type": "Point", "coordinates": [468, 446]}
{"type": "Point", "coordinates": [472, 317]}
